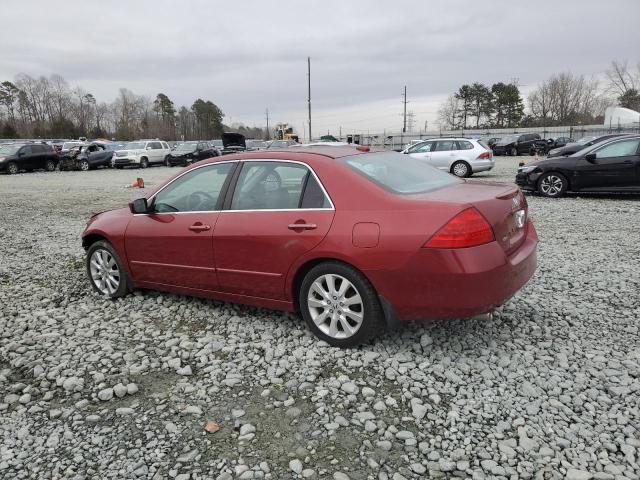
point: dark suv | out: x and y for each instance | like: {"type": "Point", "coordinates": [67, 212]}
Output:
{"type": "Point", "coordinates": [525, 143]}
{"type": "Point", "coordinates": [190, 152]}
{"type": "Point", "coordinates": [31, 156]}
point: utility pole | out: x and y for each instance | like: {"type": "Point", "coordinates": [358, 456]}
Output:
{"type": "Point", "coordinates": [309, 94]}
{"type": "Point", "coordinates": [268, 133]}
{"type": "Point", "coordinates": [404, 115]}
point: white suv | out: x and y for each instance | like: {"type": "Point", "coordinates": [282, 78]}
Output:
{"type": "Point", "coordinates": [141, 153]}
{"type": "Point", "coordinates": [460, 156]}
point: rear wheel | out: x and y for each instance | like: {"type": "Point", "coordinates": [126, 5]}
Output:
{"type": "Point", "coordinates": [105, 270]}
{"type": "Point", "coordinates": [144, 162]}
{"type": "Point", "coordinates": [552, 185]}
{"type": "Point", "coordinates": [50, 166]}
{"type": "Point", "coordinates": [514, 151]}
{"type": "Point", "coordinates": [12, 168]}
{"type": "Point", "coordinates": [340, 305]}
{"type": "Point", "coordinates": [461, 169]}
{"type": "Point", "coordinates": [166, 161]}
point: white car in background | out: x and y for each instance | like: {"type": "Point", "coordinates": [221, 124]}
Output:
{"type": "Point", "coordinates": [460, 156]}
{"type": "Point", "coordinates": [141, 153]}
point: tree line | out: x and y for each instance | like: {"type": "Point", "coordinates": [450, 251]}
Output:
{"type": "Point", "coordinates": [562, 99]}
{"type": "Point", "coordinates": [49, 108]}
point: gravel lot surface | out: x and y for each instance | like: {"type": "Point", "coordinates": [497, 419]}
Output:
{"type": "Point", "coordinates": [93, 388]}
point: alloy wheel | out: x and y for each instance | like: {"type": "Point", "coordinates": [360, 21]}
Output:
{"type": "Point", "coordinates": [50, 166]}
{"type": "Point", "coordinates": [12, 168]}
{"type": "Point", "coordinates": [105, 273]}
{"type": "Point", "coordinates": [460, 169]}
{"type": "Point", "coordinates": [84, 166]}
{"type": "Point", "coordinates": [551, 185]}
{"type": "Point", "coordinates": [336, 306]}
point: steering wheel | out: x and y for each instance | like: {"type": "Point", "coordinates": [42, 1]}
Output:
{"type": "Point", "coordinates": [198, 201]}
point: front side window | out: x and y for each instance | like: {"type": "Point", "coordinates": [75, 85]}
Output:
{"type": "Point", "coordinates": [269, 186]}
{"type": "Point", "coordinates": [619, 149]}
{"type": "Point", "coordinates": [196, 191]}
{"type": "Point", "coordinates": [422, 147]}
{"type": "Point", "coordinates": [26, 150]}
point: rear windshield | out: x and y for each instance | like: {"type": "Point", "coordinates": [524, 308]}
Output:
{"type": "Point", "coordinates": [398, 173]}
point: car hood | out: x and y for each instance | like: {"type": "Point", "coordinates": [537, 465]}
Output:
{"type": "Point", "coordinates": [233, 140]}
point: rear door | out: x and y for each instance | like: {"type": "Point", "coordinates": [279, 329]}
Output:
{"type": "Point", "coordinates": [615, 166]}
{"type": "Point", "coordinates": [276, 212]}
{"type": "Point", "coordinates": [443, 154]}
{"type": "Point", "coordinates": [173, 244]}
{"type": "Point", "coordinates": [156, 153]}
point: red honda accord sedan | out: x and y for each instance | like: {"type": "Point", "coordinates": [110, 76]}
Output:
{"type": "Point", "coordinates": [353, 240]}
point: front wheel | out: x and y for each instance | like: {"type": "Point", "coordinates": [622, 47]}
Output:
{"type": "Point", "coordinates": [461, 169]}
{"type": "Point", "coordinates": [144, 163]}
{"type": "Point", "coordinates": [105, 270]}
{"type": "Point", "coordinates": [552, 185]}
{"type": "Point", "coordinates": [84, 165]}
{"type": "Point", "coordinates": [514, 152]}
{"type": "Point", "coordinates": [12, 168]}
{"type": "Point", "coordinates": [167, 163]}
{"type": "Point", "coordinates": [340, 305]}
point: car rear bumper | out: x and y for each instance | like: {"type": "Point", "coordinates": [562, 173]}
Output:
{"type": "Point", "coordinates": [482, 165]}
{"type": "Point", "coordinates": [457, 283]}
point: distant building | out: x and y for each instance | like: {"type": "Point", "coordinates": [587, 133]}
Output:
{"type": "Point", "coordinates": [614, 116]}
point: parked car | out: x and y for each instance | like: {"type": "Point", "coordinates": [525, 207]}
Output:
{"type": "Point", "coordinates": [86, 157]}
{"type": "Point", "coordinates": [609, 166]}
{"type": "Point", "coordinates": [460, 156]}
{"type": "Point", "coordinates": [558, 142]}
{"type": "Point", "coordinates": [66, 146]}
{"type": "Point", "coordinates": [217, 144]}
{"type": "Point", "coordinates": [141, 153]}
{"type": "Point", "coordinates": [492, 141]}
{"type": "Point", "coordinates": [15, 157]}
{"type": "Point", "coordinates": [255, 144]}
{"type": "Point", "coordinates": [584, 142]}
{"type": "Point", "coordinates": [190, 152]}
{"type": "Point", "coordinates": [353, 241]}
{"type": "Point", "coordinates": [520, 144]}
{"type": "Point", "coordinates": [233, 143]}
{"type": "Point", "coordinates": [279, 144]}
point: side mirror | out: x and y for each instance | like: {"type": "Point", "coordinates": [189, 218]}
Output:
{"type": "Point", "coordinates": [139, 205]}
{"type": "Point", "coordinates": [590, 157]}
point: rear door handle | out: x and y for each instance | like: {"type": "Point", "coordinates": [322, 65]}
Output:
{"type": "Point", "coordinates": [302, 226]}
{"type": "Point", "coordinates": [198, 227]}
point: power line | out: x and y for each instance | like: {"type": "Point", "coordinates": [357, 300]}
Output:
{"type": "Point", "coordinates": [404, 115]}
{"type": "Point", "coordinates": [309, 93]}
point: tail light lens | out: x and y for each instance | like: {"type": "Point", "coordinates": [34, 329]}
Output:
{"type": "Point", "coordinates": [484, 156]}
{"type": "Point", "coordinates": [467, 229]}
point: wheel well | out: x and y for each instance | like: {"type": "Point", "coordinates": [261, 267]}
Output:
{"type": "Point", "coordinates": [91, 239]}
{"type": "Point", "coordinates": [304, 269]}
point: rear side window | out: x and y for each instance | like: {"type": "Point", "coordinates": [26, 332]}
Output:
{"type": "Point", "coordinates": [313, 196]}
{"type": "Point", "coordinates": [444, 145]}
{"type": "Point", "coordinates": [165, 146]}
{"type": "Point", "coordinates": [26, 150]}
{"type": "Point", "coordinates": [397, 173]}
{"type": "Point", "coordinates": [464, 145]}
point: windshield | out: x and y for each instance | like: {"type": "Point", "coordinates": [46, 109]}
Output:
{"type": "Point", "coordinates": [134, 146]}
{"type": "Point", "coordinates": [186, 147]}
{"type": "Point", "coordinates": [399, 173]}
{"type": "Point", "coordinates": [9, 149]}
{"type": "Point", "coordinates": [508, 139]}
{"type": "Point", "coordinates": [584, 140]}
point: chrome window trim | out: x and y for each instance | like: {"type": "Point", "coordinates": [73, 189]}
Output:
{"type": "Point", "coordinates": [330, 208]}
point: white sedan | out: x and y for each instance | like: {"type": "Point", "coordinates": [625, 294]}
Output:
{"type": "Point", "coordinates": [460, 156]}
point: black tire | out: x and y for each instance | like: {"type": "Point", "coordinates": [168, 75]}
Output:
{"type": "Point", "coordinates": [50, 166]}
{"type": "Point", "coordinates": [12, 168]}
{"type": "Point", "coordinates": [166, 161]}
{"type": "Point", "coordinates": [372, 323]}
{"type": "Point", "coordinates": [144, 162]}
{"type": "Point", "coordinates": [83, 165]}
{"type": "Point", "coordinates": [514, 152]}
{"type": "Point", "coordinates": [461, 169]}
{"type": "Point", "coordinates": [552, 185]}
{"type": "Point", "coordinates": [124, 285]}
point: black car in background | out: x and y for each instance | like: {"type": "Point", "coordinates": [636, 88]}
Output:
{"type": "Point", "coordinates": [558, 142]}
{"type": "Point", "coordinates": [609, 166]}
{"type": "Point", "coordinates": [233, 143]}
{"type": "Point", "coordinates": [15, 157]}
{"type": "Point", "coordinates": [190, 152]}
{"type": "Point", "coordinates": [520, 144]}
{"type": "Point", "coordinates": [492, 141]}
{"type": "Point", "coordinates": [584, 142]}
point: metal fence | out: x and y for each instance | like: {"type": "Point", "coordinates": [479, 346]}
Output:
{"type": "Point", "coordinates": [396, 141]}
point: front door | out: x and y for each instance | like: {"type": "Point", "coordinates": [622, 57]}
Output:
{"type": "Point", "coordinates": [278, 212]}
{"type": "Point", "coordinates": [615, 166]}
{"type": "Point", "coordinates": [443, 154]}
{"type": "Point", "coordinates": [172, 245]}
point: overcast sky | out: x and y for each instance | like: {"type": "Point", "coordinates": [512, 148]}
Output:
{"type": "Point", "coordinates": [246, 56]}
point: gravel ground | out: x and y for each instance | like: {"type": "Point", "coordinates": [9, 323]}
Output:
{"type": "Point", "coordinates": [93, 388]}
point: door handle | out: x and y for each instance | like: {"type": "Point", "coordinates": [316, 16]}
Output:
{"type": "Point", "coordinates": [198, 227]}
{"type": "Point", "coordinates": [302, 226]}
{"type": "Point", "coordinates": [627, 161]}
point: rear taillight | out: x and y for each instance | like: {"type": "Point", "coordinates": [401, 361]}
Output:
{"type": "Point", "coordinates": [467, 229]}
{"type": "Point", "coordinates": [484, 156]}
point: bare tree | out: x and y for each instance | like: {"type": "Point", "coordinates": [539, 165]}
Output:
{"type": "Point", "coordinates": [449, 113]}
{"type": "Point", "coordinates": [622, 78]}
